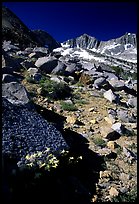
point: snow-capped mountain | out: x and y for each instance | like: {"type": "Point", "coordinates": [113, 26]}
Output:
{"type": "Point", "coordinates": [124, 47]}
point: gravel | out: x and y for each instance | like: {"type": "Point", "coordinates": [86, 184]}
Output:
{"type": "Point", "coordinates": [26, 132]}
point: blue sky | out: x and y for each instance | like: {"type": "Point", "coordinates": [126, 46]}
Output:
{"type": "Point", "coordinates": [66, 20]}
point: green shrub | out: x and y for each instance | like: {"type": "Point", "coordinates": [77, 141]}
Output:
{"type": "Point", "coordinates": [99, 141]}
{"type": "Point", "coordinates": [68, 106]}
{"type": "Point", "coordinates": [118, 70]}
{"type": "Point", "coordinates": [54, 90]}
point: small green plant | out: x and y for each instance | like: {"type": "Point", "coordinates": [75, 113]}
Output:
{"type": "Point", "coordinates": [68, 106]}
{"type": "Point", "coordinates": [29, 79]}
{"type": "Point", "coordinates": [53, 89]}
{"type": "Point", "coordinates": [81, 101]}
{"type": "Point", "coordinates": [99, 141]}
{"type": "Point", "coordinates": [118, 70]}
{"type": "Point", "coordinates": [119, 150]}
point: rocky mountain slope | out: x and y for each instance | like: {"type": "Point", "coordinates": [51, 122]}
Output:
{"type": "Point", "coordinates": [15, 30]}
{"type": "Point", "coordinates": [69, 124]}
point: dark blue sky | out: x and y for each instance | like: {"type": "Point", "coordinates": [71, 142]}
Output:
{"type": "Point", "coordinates": [66, 20]}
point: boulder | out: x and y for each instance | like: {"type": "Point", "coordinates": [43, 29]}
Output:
{"type": "Point", "coordinates": [46, 64]}
{"type": "Point", "coordinates": [113, 192]}
{"type": "Point", "coordinates": [129, 154]}
{"type": "Point", "coordinates": [110, 76]}
{"type": "Point", "coordinates": [123, 115]}
{"type": "Point", "coordinates": [36, 55]}
{"type": "Point", "coordinates": [34, 74]}
{"type": "Point", "coordinates": [32, 71]}
{"type": "Point", "coordinates": [132, 102]}
{"type": "Point", "coordinates": [114, 135]}
{"type": "Point", "coordinates": [27, 64]}
{"type": "Point", "coordinates": [10, 64]}
{"type": "Point", "coordinates": [117, 85]}
{"type": "Point", "coordinates": [43, 50]}
{"type": "Point", "coordinates": [59, 69]}
{"type": "Point", "coordinates": [7, 78]}
{"type": "Point", "coordinates": [15, 93]}
{"type": "Point", "coordinates": [98, 83]}
{"type": "Point", "coordinates": [118, 127]}
{"type": "Point", "coordinates": [112, 114]}
{"type": "Point", "coordinates": [27, 136]}
{"type": "Point", "coordinates": [72, 68]}
{"type": "Point", "coordinates": [111, 96]}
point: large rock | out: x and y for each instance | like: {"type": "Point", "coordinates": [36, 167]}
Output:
{"type": "Point", "coordinates": [34, 74]}
{"type": "Point", "coordinates": [25, 133]}
{"type": "Point", "coordinates": [7, 78]}
{"type": "Point", "coordinates": [98, 83]}
{"type": "Point", "coordinates": [123, 115]}
{"type": "Point", "coordinates": [15, 93]}
{"type": "Point", "coordinates": [46, 64]}
{"type": "Point", "coordinates": [59, 69]}
{"type": "Point", "coordinates": [118, 85]}
{"type": "Point", "coordinates": [118, 127]}
{"type": "Point", "coordinates": [112, 97]}
{"type": "Point", "coordinates": [132, 102]}
{"type": "Point", "coordinates": [27, 64]}
{"type": "Point", "coordinates": [72, 68]}
{"type": "Point", "coordinates": [9, 64]}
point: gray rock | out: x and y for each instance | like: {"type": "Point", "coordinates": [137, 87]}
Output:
{"type": "Point", "coordinates": [9, 64]}
{"type": "Point", "coordinates": [110, 76]}
{"type": "Point", "coordinates": [118, 127]}
{"type": "Point", "coordinates": [41, 50]}
{"type": "Point", "coordinates": [132, 102]}
{"type": "Point", "coordinates": [72, 68]}
{"type": "Point", "coordinates": [98, 83]}
{"type": "Point", "coordinates": [36, 55]}
{"type": "Point", "coordinates": [114, 135]}
{"type": "Point", "coordinates": [129, 154]}
{"type": "Point", "coordinates": [123, 115]}
{"type": "Point", "coordinates": [59, 69]}
{"type": "Point", "coordinates": [26, 132]}
{"type": "Point", "coordinates": [118, 85]}
{"type": "Point", "coordinates": [32, 71]}
{"type": "Point", "coordinates": [46, 64]}
{"type": "Point", "coordinates": [103, 67]}
{"type": "Point", "coordinates": [7, 78]}
{"type": "Point", "coordinates": [7, 46]}
{"type": "Point", "coordinates": [27, 64]}
{"type": "Point", "coordinates": [15, 93]}
{"type": "Point", "coordinates": [112, 97]}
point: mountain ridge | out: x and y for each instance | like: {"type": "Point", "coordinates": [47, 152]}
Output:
{"type": "Point", "coordinates": [124, 46]}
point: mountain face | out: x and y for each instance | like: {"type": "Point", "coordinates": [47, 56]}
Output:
{"type": "Point", "coordinates": [84, 41]}
{"type": "Point", "coordinates": [124, 47]}
{"type": "Point", "coordinates": [14, 30]}
{"type": "Point", "coordinates": [46, 39]}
